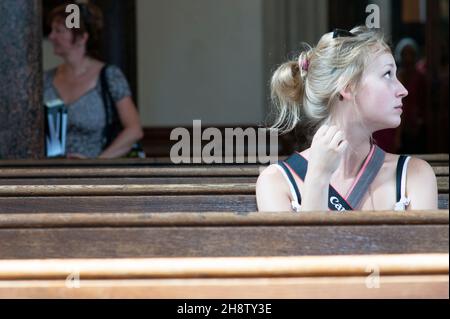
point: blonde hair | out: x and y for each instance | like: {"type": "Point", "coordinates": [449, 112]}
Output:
{"type": "Point", "coordinates": [304, 91]}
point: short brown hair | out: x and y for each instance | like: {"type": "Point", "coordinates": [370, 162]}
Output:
{"type": "Point", "coordinates": [91, 22]}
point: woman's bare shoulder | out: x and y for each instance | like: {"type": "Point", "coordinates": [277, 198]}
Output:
{"type": "Point", "coordinates": [421, 185]}
{"type": "Point", "coordinates": [418, 174]}
{"type": "Point", "coordinates": [271, 173]}
{"type": "Point", "coordinates": [272, 178]}
{"type": "Point", "coordinates": [416, 166]}
{"type": "Point", "coordinates": [272, 190]}
{"type": "Point", "coordinates": [420, 169]}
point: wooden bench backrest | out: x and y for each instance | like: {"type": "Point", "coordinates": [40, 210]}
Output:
{"type": "Point", "coordinates": [139, 204]}
{"type": "Point", "coordinates": [402, 276]}
{"type": "Point", "coordinates": [236, 171]}
{"type": "Point", "coordinates": [431, 158]}
{"type": "Point", "coordinates": [124, 235]}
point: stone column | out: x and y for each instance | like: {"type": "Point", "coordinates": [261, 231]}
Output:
{"type": "Point", "coordinates": [21, 109]}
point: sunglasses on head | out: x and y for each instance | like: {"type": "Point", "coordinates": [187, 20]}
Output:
{"type": "Point", "coordinates": [337, 33]}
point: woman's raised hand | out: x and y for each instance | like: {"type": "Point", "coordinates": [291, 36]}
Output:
{"type": "Point", "coordinates": [327, 147]}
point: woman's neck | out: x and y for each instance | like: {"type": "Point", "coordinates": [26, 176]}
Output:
{"type": "Point", "coordinates": [359, 146]}
{"type": "Point", "coordinates": [77, 65]}
{"type": "Point", "coordinates": [354, 157]}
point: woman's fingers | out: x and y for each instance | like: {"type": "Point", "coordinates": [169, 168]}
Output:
{"type": "Point", "coordinates": [322, 130]}
{"type": "Point", "coordinates": [337, 138]}
{"type": "Point", "coordinates": [331, 136]}
{"type": "Point", "coordinates": [343, 146]}
{"type": "Point", "coordinates": [332, 130]}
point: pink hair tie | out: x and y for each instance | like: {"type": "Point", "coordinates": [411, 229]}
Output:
{"type": "Point", "coordinates": [305, 65]}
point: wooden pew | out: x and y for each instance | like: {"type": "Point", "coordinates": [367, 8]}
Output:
{"type": "Point", "coordinates": [140, 197]}
{"type": "Point", "coordinates": [120, 187]}
{"type": "Point", "coordinates": [120, 162]}
{"type": "Point", "coordinates": [138, 177]}
{"type": "Point", "coordinates": [203, 171]}
{"type": "Point", "coordinates": [360, 276]}
{"type": "Point", "coordinates": [134, 204]}
{"type": "Point", "coordinates": [131, 235]}
{"type": "Point", "coordinates": [179, 171]}
{"type": "Point", "coordinates": [139, 185]}
{"type": "Point", "coordinates": [139, 204]}
{"type": "Point", "coordinates": [143, 189]}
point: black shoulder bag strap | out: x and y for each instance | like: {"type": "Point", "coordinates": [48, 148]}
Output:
{"type": "Point", "coordinates": [108, 106]}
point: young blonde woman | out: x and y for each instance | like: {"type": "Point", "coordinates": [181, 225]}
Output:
{"type": "Point", "coordinates": [344, 90]}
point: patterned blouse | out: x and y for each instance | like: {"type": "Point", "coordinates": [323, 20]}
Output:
{"type": "Point", "coordinates": [86, 116]}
